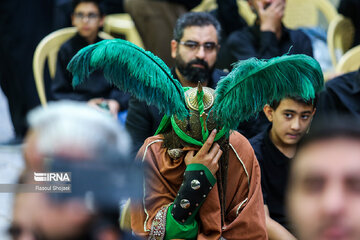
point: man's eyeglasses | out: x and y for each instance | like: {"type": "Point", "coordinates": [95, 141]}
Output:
{"type": "Point", "coordinates": [91, 17]}
{"type": "Point", "coordinates": [195, 46]}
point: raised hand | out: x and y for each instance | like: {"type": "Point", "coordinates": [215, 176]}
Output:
{"type": "Point", "coordinates": [208, 155]}
{"type": "Point", "coordinates": [271, 15]}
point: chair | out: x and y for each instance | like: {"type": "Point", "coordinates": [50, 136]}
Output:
{"type": "Point", "coordinates": [47, 49]}
{"type": "Point", "coordinates": [125, 216]}
{"type": "Point", "coordinates": [121, 25]}
{"type": "Point", "coordinates": [306, 13]}
{"type": "Point", "coordinates": [205, 6]}
{"type": "Point", "coordinates": [298, 13]}
{"type": "Point", "coordinates": [245, 12]}
{"type": "Point", "coordinates": [340, 37]}
{"type": "Point", "coordinates": [350, 61]}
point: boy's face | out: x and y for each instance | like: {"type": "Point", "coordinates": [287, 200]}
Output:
{"type": "Point", "coordinates": [87, 20]}
{"type": "Point", "coordinates": [290, 121]}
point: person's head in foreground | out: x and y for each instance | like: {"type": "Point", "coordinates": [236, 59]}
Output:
{"type": "Point", "coordinates": [74, 138]}
{"type": "Point", "coordinates": [71, 129]}
{"type": "Point", "coordinates": [323, 197]}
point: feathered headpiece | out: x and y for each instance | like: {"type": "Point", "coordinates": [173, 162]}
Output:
{"type": "Point", "coordinates": [241, 94]}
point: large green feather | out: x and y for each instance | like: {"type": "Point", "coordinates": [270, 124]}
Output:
{"type": "Point", "coordinates": [132, 70]}
{"type": "Point", "coordinates": [254, 83]}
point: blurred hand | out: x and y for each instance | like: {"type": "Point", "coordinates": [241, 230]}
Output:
{"type": "Point", "coordinates": [271, 15]}
{"type": "Point", "coordinates": [114, 106]}
{"type": "Point", "coordinates": [208, 155]}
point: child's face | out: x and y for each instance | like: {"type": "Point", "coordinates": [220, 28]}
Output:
{"type": "Point", "coordinates": [290, 121]}
{"type": "Point", "coordinates": [87, 20]}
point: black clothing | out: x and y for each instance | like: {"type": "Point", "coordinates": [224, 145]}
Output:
{"type": "Point", "coordinates": [143, 120]}
{"type": "Point", "coordinates": [62, 13]}
{"type": "Point", "coordinates": [97, 86]}
{"type": "Point", "coordinates": [274, 167]}
{"type": "Point", "coordinates": [341, 96]}
{"type": "Point", "coordinates": [188, 4]}
{"type": "Point", "coordinates": [351, 9]}
{"type": "Point", "coordinates": [254, 125]}
{"type": "Point", "coordinates": [23, 24]}
{"type": "Point", "coordinates": [251, 42]}
{"type": "Point", "coordinates": [227, 13]}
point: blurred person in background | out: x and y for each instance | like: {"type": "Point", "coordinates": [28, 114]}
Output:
{"type": "Point", "coordinates": [341, 96]}
{"type": "Point", "coordinates": [268, 37]}
{"type": "Point", "coordinates": [88, 17]}
{"type": "Point", "coordinates": [155, 20]}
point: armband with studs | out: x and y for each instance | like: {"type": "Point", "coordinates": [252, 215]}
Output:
{"type": "Point", "coordinates": [198, 182]}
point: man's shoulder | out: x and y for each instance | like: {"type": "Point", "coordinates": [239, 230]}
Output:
{"type": "Point", "coordinates": [141, 108]}
{"type": "Point", "coordinates": [241, 145]}
{"type": "Point", "coordinates": [216, 77]}
{"type": "Point", "coordinates": [342, 80]}
{"type": "Point", "coordinates": [157, 140]}
{"type": "Point", "coordinates": [258, 139]}
{"type": "Point", "coordinates": [153, 144]}
{"type": "Point", "coordinates": [246, 31]}
{"type": "Point", "coordinates": [238, 35]}
{"type": "Point", "coordinates": [297, 35]}
{"type": "Point", "coordinates": [220, 72]}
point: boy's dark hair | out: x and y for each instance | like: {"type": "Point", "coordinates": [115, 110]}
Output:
{"type": "Point", "coordinates": [311, 102]}
{"type": "Point", "coordinates": [199, 19]}
{"type": "Point", "coordinates": [333, 126]}
{"type": "Point", "coordinates": [75, 3]}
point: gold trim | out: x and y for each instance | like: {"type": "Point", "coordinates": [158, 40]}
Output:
{"type": "Point", "coordinates": [191, 98]}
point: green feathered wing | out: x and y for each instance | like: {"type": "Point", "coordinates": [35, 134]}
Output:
{"type": "Point", "coordinates": [253, 83]}
{"type": "Point", "coordinates": [133, 70]}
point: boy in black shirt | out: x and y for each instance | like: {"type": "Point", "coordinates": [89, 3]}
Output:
{"type": "Point", "coordinates": [290, 118]}
{"type": "Point", "coordinates": [88, 18]}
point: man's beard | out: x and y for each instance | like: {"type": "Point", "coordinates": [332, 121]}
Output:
{"type": "Point", "coordinates": [194, 74]}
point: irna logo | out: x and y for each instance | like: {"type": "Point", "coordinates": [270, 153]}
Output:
{"type": "Point", "coordinates": [52, 177]}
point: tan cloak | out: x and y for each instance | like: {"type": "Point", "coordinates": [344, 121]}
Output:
{"type": "Point", "coordinates": [244, 218]}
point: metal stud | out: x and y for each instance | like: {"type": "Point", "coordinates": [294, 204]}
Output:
{"type": "Point", "coordinates": [184, 203]}
{"type": "Point", "coordinates": [195, 184]}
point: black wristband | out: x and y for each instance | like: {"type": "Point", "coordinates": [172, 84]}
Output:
{"type": "Point", "coordinates": [192, 193]}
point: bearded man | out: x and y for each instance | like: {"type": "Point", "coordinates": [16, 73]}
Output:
{"type": "Point", "coordinates": [195, 48]}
